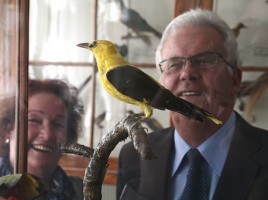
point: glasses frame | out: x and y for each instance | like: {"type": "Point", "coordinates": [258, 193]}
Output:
{"type": "Point", "coordinates": [192, 57]}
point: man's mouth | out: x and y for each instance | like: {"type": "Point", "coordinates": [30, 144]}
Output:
{"type": "Point", "coordinates": [42, 148]}
{"type": "Point", "coordinates": [190, 94]}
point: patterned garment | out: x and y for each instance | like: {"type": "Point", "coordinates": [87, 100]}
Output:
{"type": "Point", "coordinates": [62, 187]}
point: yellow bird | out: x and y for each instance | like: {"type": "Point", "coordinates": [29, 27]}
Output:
{"type": "Point", "coordinates": [131, 85]}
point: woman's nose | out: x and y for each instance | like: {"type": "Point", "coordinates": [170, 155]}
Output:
{"type": "Point", "coordinates": [47, 131]}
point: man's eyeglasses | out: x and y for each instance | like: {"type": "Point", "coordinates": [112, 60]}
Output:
{"type": "Point", "coordinates": [202, 61]}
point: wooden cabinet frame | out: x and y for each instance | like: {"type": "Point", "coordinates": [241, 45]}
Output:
{"type": "Point", "coordinates": [181, 6]}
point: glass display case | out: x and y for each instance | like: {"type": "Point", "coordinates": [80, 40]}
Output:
{"type": "Point", "coordinates": [38, 41]}
{"type": "Point", "coordinates": [54, 31]}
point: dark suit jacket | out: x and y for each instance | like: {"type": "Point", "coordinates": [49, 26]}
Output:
{"type": "Point", "coordinates": [244, 176]}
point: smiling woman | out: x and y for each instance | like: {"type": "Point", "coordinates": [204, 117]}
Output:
{"type": "Point", "coordinates": [52, 105]}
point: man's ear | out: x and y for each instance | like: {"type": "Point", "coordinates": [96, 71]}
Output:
{"type": "Point", "coordinates": [237, 78]}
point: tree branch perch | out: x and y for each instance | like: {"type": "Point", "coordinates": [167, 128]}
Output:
{"type": "Point", "coordinates": [95, 172]}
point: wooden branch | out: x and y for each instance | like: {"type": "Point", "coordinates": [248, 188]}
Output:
{"type": "Point", "coordinates": [77, 149]}
{"type": "Point", "coordinates": [95, 172]}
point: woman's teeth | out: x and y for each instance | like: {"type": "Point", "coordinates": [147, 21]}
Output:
{"type": "Point", "coordinates": [42, 148]}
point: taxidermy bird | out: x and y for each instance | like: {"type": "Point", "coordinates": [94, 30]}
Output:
{"type": "Point", "coordinates": [133, 20]}
{"type": "Point", "coordinates": [21, 187]}
{"type": "Point", "coordinates": [254, 90]}
{"type": "Point", "coordinates": [131, 85]}
{"type": "Point", "coordinates": [236, 30]}
{"type": "Point", "coordinates": [99, 119]}
{"type": "Point", "coordinates": [123, 50]}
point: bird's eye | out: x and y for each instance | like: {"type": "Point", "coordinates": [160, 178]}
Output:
{"type": "Point", "coordinates": [93, 44]}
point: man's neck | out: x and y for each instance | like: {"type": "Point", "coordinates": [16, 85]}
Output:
{"type": "Point", "coordinates": [195, 132]}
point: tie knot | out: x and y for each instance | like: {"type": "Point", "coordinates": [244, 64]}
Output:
{"type": "Point", "coordinates": [194, 155]}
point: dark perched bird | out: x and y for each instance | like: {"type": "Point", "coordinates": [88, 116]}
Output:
{"type": "Point", "coordinates": [123, 50]}
{"type": "Point", "coordinates": [99, 119]}
{"type": "Point", "coordinates": [21, 187]}
{"type": "Point", "coordinates": [131, 85]}
{"type": "Point", "coordinates": [237, 28]}
{"type": "Point", "coordinates": [254, 90]}
{"type": "Point", "coordinates": [133, 20]}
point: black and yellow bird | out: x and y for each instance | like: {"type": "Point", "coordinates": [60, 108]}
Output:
{"type": "Point", "coordinates": [131, 85]}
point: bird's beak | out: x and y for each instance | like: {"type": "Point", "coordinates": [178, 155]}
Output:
{"type": "Point", "coordinates": [83, 45]}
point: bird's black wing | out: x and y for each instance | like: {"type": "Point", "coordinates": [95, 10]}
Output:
{"type": "Point", "coordinates": [136, 84]}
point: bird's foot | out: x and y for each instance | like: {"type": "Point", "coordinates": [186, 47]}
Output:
{"type": "Point", "coordinates": [140, 117]}
{"type": "Point", "coordinates": [137, 118]}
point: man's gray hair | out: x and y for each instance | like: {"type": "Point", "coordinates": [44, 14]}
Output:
{"type": "Point", "coordinates": [205, 18]}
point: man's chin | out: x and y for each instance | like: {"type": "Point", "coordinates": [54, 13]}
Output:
{"type": "Point", "coordinates": [177, 117]}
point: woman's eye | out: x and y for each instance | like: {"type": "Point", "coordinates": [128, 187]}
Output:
{"type": "Point", "coordinates": [58, 125]}
{"type": "Point", "coordinates": [34, 120]}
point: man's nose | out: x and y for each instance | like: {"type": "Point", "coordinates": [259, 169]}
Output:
{"type": "Point", "coordinates": [189, 71]}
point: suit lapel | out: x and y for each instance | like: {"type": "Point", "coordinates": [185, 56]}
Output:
{"type": "Point", "coordinates": [236, 179]}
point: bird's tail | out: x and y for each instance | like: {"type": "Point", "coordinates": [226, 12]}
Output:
{"type": "Point", "coordinates": [190, 110]}
{"type": "Point", "coordinates": [176, 104]}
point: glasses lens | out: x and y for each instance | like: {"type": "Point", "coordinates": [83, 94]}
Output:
{"type": "Point", "coordinates": [172, 64]}
{"type": "Point", "coordinates": [205, 60]}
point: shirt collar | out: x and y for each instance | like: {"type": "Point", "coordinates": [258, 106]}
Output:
{"type": "Point", "coordinates": [214, 149]}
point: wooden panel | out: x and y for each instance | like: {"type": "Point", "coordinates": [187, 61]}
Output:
{"type": "Point", "coordinates": [184, 5]}
{"type": "Point", "coordinates": [22, 104]}
{"type": "Point", "coordinates": [76, 165]}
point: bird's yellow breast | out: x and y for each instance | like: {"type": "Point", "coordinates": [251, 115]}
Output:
{"type": "Point", "coordinates": [108, 58]}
